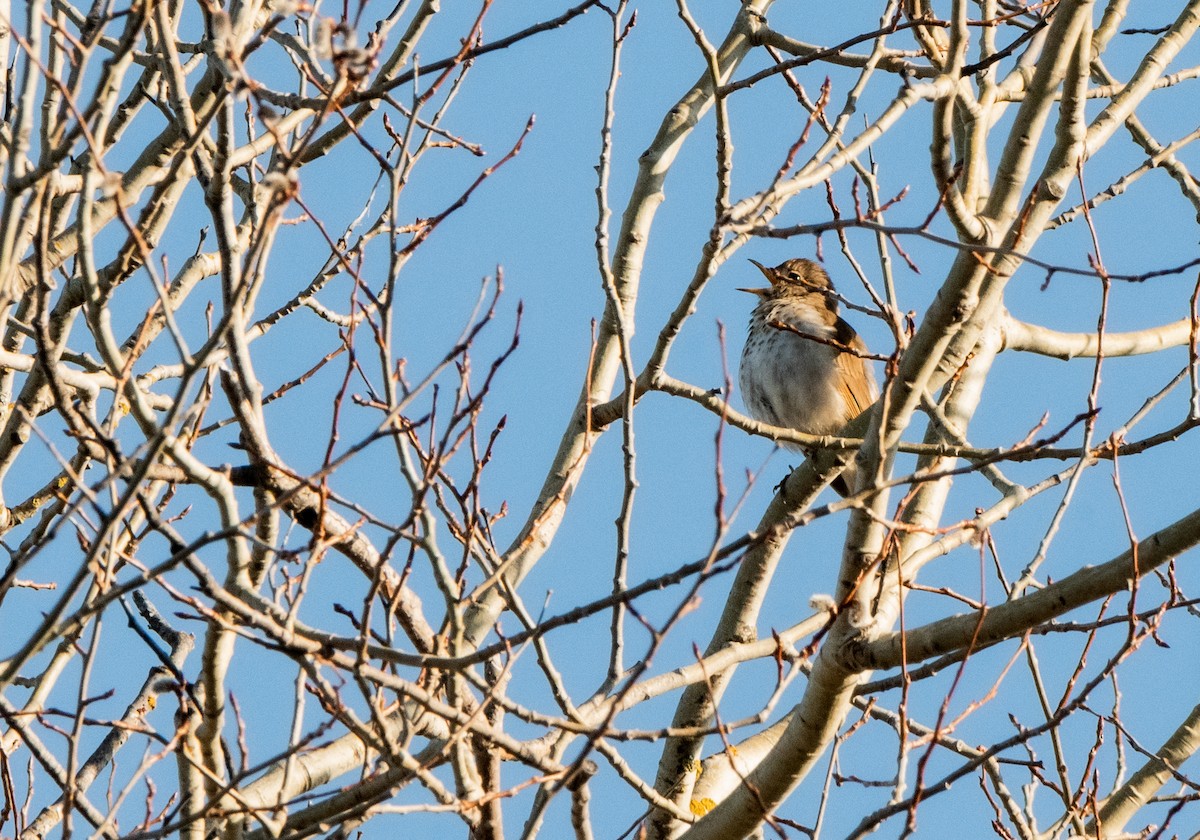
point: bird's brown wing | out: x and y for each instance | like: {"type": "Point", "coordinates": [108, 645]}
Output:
{"type": "Point", "coordinates": [855, 380]}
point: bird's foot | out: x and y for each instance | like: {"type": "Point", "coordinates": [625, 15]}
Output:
{"type": "Point", "coordinates": [779, 487]}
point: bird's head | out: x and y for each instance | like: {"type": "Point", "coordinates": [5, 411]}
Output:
{"type": "Point", "coordinates": [793, 278]}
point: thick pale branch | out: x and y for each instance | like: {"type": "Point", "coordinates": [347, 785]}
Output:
{"type": "Point", "coordinates": [1120, 807]}
{"type": "Point", "coordinates": [1014, 618]}
{"type": "Point", "coordinates": [1032, 338]}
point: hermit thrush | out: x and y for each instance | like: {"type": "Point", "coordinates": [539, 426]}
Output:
{"type": "Point", "coordinates": [802, 365]}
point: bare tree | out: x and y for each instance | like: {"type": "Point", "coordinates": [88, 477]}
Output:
{"type": "Point", "coordinates": [262, 581]}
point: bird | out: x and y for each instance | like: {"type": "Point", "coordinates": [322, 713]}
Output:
{"type": "Point", "coordinates": [803, 367]}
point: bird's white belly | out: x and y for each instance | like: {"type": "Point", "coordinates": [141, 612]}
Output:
{"type": "Point", "coordinates": [788, 381]}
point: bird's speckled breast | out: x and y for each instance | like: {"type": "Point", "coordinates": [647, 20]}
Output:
{"type": "Point", "coordinates": [787, 380]}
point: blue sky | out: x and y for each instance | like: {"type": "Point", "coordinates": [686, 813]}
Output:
{"type": "Point", "coordinates": [534, 219]}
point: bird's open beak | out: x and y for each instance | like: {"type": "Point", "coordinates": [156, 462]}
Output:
{"type": "Point", "coordinates": [770, 275]}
